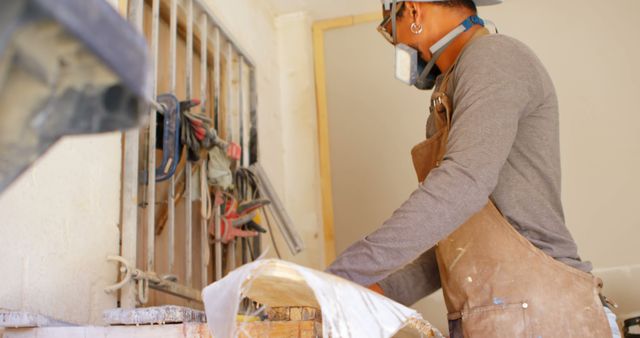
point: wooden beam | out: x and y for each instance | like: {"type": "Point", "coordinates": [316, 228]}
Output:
{"type": "Point", "coordinates": [123, 5]}
{"type": "Point", "coordinates": [294, 329]}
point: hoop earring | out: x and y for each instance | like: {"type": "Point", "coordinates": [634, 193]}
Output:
{"type": "Point", "coordinates": [416, 28]}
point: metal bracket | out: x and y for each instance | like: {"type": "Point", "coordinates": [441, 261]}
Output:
{"type": "Point", "coordinates": [146, 280]}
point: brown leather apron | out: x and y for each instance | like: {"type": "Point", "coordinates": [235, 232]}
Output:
{"type": "Point", "coordinates": [494, 280]}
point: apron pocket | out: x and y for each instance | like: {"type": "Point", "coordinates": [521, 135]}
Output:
{"type": "Point", "coordinates": [505, 320]}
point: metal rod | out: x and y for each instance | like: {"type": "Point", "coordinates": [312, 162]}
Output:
{"type": "Point", "coordinates": [231, 260]}
{"type": "Point", "coordinates": [289, 233]}
{"type": "Point", "coordinates": [149, 279]}
{"type": "Point", "coordinates": [151, 180]}
{"type": "Point", "coordinates": [202, 4]}
{"type": "Point", "coordinates": [217, 253]}
{"type": "Point", "coordinates": [171, 206]}
{"type": "Point", "coordinates": [227, 114]}
{"type": "Point", "coordinates": [176, 289]}
{"type": "Point", "coordinates": [241, 110]}
{"type": "Point", "coordinates": [173, 27]}
{"type": "Point", "coordinates": [245, 257]}
{"type": "Point", "coordinates": [129, 237]}
{"type": "Point", "coordinates": [243, 245]}
{"type": "Point", "coordinates": [253, 117]}
{"type": "Point", "coordinates": [188, 174]}
{"type": "Point", "coordinates": [245, 127]}
{"type": "Point", "coordinates": [204, 242]}
{"type": "Point", "coordinates": [135, 13]}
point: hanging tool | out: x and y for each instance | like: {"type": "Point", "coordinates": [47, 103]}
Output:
{"type": "Point", "coordinates": [631, 327]}
{"type": "Point", "coordinates": [253, 226]}
{"type": "Point", "coordinates": [194, 128]}
{"type": "Point", "coordinates": [276, 208]}
{"type": "Point", "coordinates": [219, 169]}
{"type": "Point", "coordinates": [177, 127]}
{"type": "Point", "coordinates": [231, 220]}
{"type": "Point", "coordinates": [234, 151]}
{"type": "Point", "coordinates": [197, 134]}
{"type": "Point", "coordinates": [252, 205]}
{"type": "Point", "coordinates": [221, 158]}
{"type": "Point", "coordinates": [167, 129]}
{"type": "Point", "coordinates": [247, 188]}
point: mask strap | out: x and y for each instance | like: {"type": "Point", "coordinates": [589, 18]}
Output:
{"type": "Point", "coordinates": [463, 27]}
{"type": "Point", "coordinates": [394, 8]}
{"type": "Point", "coordinates": [439, 47]}
{"type": "Point", "coordinates": [425, 73]}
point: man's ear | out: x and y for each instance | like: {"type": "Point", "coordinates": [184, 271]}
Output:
{"type": "Point", "coordinates": [414, 11]}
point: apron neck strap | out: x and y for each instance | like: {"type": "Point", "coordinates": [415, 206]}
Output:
{"type": "Point", "coordinates": [446, 77]}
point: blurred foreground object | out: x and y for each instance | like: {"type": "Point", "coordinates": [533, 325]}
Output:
{"type": "Point", "coordinates": [66, 67]}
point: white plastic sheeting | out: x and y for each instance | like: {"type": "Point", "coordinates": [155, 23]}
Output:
{"type": "Point", "coordinates": [348, 310]}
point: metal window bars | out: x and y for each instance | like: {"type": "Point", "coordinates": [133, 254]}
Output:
{"type": "Point", "coordinates": [227, 93]}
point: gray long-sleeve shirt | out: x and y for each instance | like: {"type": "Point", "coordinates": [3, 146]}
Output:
{"type": "Point", "coordinates": [503, 144]}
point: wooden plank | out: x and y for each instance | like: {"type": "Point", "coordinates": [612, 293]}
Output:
{"type": "Point", "coordinates": [122, 7]}
{"type": "Point", "coordinates": [189, 330]}
{"type": "Point", "coordinates": [267, 329]}
{"type": "Point", "coordinates": [346, 21]}
{"type": "Point", "coordinates": [293, 313]}
{"type": "Point", "coordinates": [323, 143]}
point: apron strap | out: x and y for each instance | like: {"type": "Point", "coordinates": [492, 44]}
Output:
{"type": "Point", "coordinates": [441, 105]}
{"type": "Point", "coordinates": [445, 80]}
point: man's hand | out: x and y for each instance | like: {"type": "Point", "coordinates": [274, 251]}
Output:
{"type": "Point", "coordinates": [376, 288]}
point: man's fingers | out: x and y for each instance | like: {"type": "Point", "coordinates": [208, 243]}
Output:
{"type": "Point", "coordinates": [376, 288]}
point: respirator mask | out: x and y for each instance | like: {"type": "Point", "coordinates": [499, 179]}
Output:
{"type": "Point", "coordinates": [410, 68]}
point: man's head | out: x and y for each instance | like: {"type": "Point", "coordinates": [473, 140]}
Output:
{"type": "Point", "coordinates": [429, 35]}
{"type": "Point", "coordinates": [421, 24]}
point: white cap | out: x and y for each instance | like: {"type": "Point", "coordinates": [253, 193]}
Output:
{"type": "Point", "coordinates": [387, 3]}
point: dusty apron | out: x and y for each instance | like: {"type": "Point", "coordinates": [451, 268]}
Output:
{"type": "Point", "coordinates": [495, 282]}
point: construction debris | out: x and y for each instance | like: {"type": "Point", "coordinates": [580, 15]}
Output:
{"type": "Point", "coordinates": [24, 319]}
{"type": "Point", "coordinates": [154, 315]}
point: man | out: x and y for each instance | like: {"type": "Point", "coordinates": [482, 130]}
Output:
{"type": "Point", "coordinates": [486, 223]}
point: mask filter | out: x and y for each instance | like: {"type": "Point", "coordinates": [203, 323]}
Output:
{"type": "Point", "coordinates": [412, 70]}
{"type": "Point", "coordinates": [406, 64]}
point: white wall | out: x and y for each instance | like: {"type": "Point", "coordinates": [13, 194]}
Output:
{"type": "Point", "coordinates": [58, 223]}
{"type": "Point", "coordinates": [298, 108]}
{"type": "Point", "coordinates": [590, 49]}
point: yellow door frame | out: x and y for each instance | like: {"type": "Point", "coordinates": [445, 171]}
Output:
{"type": "Point", "coordinates": [318, 29]}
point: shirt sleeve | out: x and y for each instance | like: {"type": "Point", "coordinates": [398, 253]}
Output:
{"type": "Point", "coordinates": [493, 88]}
{"type": "Point", "coordinates": [415, 281]}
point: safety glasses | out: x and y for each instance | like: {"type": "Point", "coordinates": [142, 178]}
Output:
{"type": "Point", "coordinates": [389, 36]}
